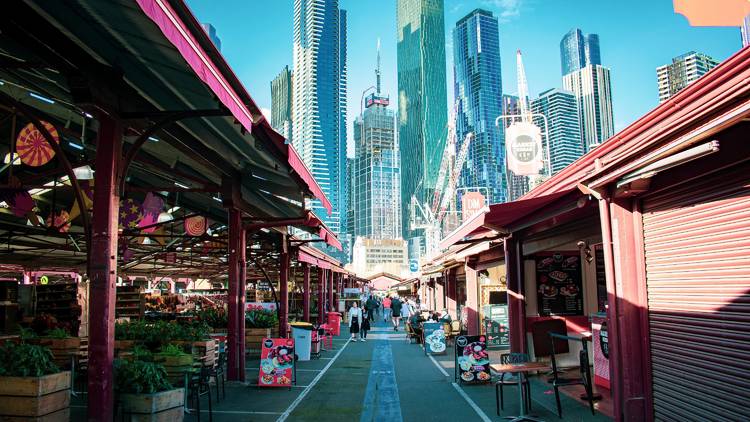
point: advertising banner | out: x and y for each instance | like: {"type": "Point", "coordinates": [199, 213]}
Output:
{"type": "Point", "coordinates": [523, 143]}
{"type": "Point", "coordinates": [434, 338]}
{"type": "Point", "coordinates": [471, 203]}
{"type": "Point", "coordinates": [472, 360]}
{"type": "Point", "coordinates": [276, 362]}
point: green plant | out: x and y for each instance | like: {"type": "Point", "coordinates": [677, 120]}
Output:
{"type": "Point", "coordinates": [25, 360]}
{"type": "Point", "coordinates": [141, 353]}
{"type": "Point", "coordinates": [260, 318]}
{"type": "Point", "coordinates": [27, 334]}
{"type": "Point", "coordinates": [214, 317]}
{"type": "Point", "coordinates": [192, 331]}
{"type": "Point", "coordinates": [171, 350]}
{"type": "Point", "coordinates": [139, 377]}
{"type": "Point", "coordinates": [57, 333]}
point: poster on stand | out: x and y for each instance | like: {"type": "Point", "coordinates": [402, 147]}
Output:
{"type": "Point", "coordinates": [276, 363]}
{"type": "Point", "coordinates": [559, 284]}
{"type": "Point", "coordinates": [472, 360]}
{"type": "Point", "coordinates": [434, 338]}
{"type": "Point", "coordinates": [497, 327]}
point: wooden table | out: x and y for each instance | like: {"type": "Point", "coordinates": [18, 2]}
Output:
{"type": "Point", "coordinates": [521, 369]}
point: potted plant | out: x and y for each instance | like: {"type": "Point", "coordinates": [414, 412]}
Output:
{"type": "Point", "coordinates": [145, 393]}
{"type": "Point", "coordinates": [31, 385]}
{"type": "Point", "coordinates": [196, 335]}
{"type": "Point", "coordinates": [175, 361]}
{"type": "Point", "coordinates": [259, 324]}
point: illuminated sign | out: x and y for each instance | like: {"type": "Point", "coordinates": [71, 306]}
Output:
{"type": "Point", "coordinates": [373, 99]}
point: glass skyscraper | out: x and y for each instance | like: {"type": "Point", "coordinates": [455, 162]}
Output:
{"type": "Point", "coordinates": [561, 110]}
{"type": "Point", "coordinates": [281, 103]}
{"type": "Point", "coordinates": [422, 98]}
{"type": "Point", "coordinates": [684, 70]}
{"type": "Point", "coordinates": [211, 31]}
{"type": "Point", "coordinates": [319, 123]}
{"type": "Point", "coordinates": [584, 75]}
{"type": "Point", "coordinates": [479, 92]}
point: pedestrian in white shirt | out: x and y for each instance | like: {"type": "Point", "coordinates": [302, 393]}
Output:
{"type": "Point", "coordinates": [355, 319]}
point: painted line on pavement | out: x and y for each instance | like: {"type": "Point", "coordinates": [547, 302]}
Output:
{"type": "Point", "coordinates": [440, 367]}
{"type": "Point", "coordinates": [308, 370]}
{"type": "Point", "coordinates": [315, 380]}
{"type": "Point", "coordinates": [473, 405]}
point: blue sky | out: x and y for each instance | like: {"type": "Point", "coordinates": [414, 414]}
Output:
{"type": "Point", "coordinates": [636, 37]}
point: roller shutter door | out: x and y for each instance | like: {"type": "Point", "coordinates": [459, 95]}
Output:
{"type": "Point", "coordinates": [697, 249]}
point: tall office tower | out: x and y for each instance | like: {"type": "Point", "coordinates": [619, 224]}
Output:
{"type": "Point", "coordinates": [578, 50]}
{"type": "Point", "coordinates": [377, 173]}
{"type": "Point", "coordinates": [478, 90]}
{"type": "Point", "coordinates": [319, 79]}
{"type": "Point", "coordinates": [349, 197]}
{"type": "Point", "coordinates": [422, 102]}
{"type": "Point", "coordinates": [211, 31]}
{"type": "Point", "coordinates": [281, 103]}
{"type": "Point", "coordinates": [584, 75]}
{"type": "Point", "coordinates": [517, 185]}
{"type": "Point", "coordinates": [342, 122]}
{"type": "Point", "coordinates": [683, 71]}
{"type": "Point", "coordinates": [561, 110]}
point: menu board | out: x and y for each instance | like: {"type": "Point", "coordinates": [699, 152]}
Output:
{"type": "Point", "coordinates": [276, 362]}
{"type": "Point", "coordinates": [434, 338]}
{"type": "Point", "coordinates": [472, 360]}
{"type": "Point", "coordinates": [559, 284]}
{"type": "Point", "coordinates": [496, 326]}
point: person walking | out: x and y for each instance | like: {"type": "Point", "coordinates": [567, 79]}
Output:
{"type": "Point", "coordinates": [396, 306]}
{"type": "Point", "coordinates": [386, 308]}
{"type": "Point", "coordinates": [370, 306]}
{"type": "Point", "coordinates": [365, 326]}
{"type": "Point", "coordinates": [355, 319]}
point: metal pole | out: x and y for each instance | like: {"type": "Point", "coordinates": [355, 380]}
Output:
{"type": "Point", "coordinates": [233, 291]}
{"type": "Point", "coordinates": [331, 276]}
{"type": "Point", "coordinates": [283, 288]}
{"type": "Point", "coordinates": [321, 295]}
{"type": "Point", "coordinates": [103, 270]}
{"type": "Point", "coordinates": [241, 298]}
{"type": "Point", "coordinates": [306, 292]}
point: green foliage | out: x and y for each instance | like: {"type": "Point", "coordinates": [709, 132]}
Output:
{"type": "Point", "coordinates": [139, 377]}
{"type": "Point", "coordinates": [142, 353]}
{"type": "Point", "coordinates": [261, 318]}
{"type": "Point", "coordinates": [57, 333]}
{"type": "Point", "coordinates": [27, 334]}
{"type": "Point", "coordinates": [172, 350]}
{"type": "Point", "coordinates": [214, 317]}
{"type": "Point", "coordinates": [159, 333]}
{"type": "Point", "coordinates": [25, 360]}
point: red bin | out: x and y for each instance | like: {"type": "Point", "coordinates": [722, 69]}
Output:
{"type": "Point", "coordinates": [334, 321]}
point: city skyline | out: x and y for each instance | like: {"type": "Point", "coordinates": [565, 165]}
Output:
{"type": "Point", "coordinates": [536, 30]}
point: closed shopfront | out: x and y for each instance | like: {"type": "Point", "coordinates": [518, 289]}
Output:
{"type": "Point", "coordinates": [697, 253]}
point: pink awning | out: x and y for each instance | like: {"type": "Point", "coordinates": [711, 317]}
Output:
{"type": "Point", "coordinates": [303, 256]}
{"type": "Point", "coordinates": [323, 231]}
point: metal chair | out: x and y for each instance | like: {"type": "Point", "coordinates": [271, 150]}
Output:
{"type": "Point", "coordinates": [198, 386]}
{"type": "Point", "coordinates": [585, 371]}
{"type": "Point", "coordinates": [217, 372]}
{"type": "Point", "coordinates": [508, 359]}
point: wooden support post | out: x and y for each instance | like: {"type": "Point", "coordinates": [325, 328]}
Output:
{"type": "Point", "coordinates": [233, 295]}
{"type": "Point", "coordinates": [331, 276]}
{"type": "Point", "coordinates": [284, 287]}
{"type": "Point", "coordinates": [472, 301]}
{"type": "Point", "coordinates": [103, 271]}
{"type": "Point", "coordinates": [321, 295]}
{"type": "Point", "coordinates": [516, 299]}
{"type": "Point", "coordinates": [306, 292]}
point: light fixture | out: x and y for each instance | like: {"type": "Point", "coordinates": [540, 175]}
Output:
{"type": "Point", "coordinates": [84, 172]}
{"type": "Point", "coordinates": [180, 185]}
{"type": "Point", "coordinates": [153, 139]}
{"type": "Point", "coordinates": [16, 161]}
{"type": "Point", "coordinates": [41, 98]}
{"type": "Point", "coordinates": [75, 145]}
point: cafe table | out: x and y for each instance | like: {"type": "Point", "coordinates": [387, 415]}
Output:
{"type": "Point", "coordinates": [521, 369]}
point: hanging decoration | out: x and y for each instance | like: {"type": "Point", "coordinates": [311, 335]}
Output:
{"type": "Point", "coordinates": [19, 201]}
{"type": "Point", "coordinates": [196, 225]}
{"type": "Point", "coordinates": [60, 221]}
{"type": "Point", "coordinates": [150, 209]}
{"type": "Point", "coordinates": [87, 186]}
{"type": "Point", "coordinates": [33, 148]}
{"type": "Point", "coordinates": [130, 214]}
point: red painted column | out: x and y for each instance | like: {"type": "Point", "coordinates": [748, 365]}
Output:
{"type": "Point", "coordinates": [321, 295]}
{"type": "Point", "coordinates": [241, 299]}
{"type": "Point", "coordinates": [103, 270]}
{"type": "Point", "coordinates": [331, 277]}
{"type": "Point", "coordinates": [306, 292]}
{"type": "Point", "coordinates": [516, 299]}
{"type": "Point", "coordinates": [283, 288]}
{"type": "Point", "coordinates": [233, 296]}
{"type": "Point", "coordinates": [472, 301]}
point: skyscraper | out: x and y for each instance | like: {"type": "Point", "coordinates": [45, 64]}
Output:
{"type": "Point", "coordinates": [561, 110]}
{"type": "Point", "coordinates": [422, 98]}
{"type": "Point", "coordinates": [684, 70]}
{"type": "Point", "coordinates": [281, 103]}
{"type": "Point", "coordinates": [319, 98]}
{"type": "Point", "coordinates": [584, 75]}
{"type": "Point", "coordinates": [211, 31]}
{"type": "Point", "coordinates": [517, 185]}
{"type": "Point", "coordinates": [479, 92]}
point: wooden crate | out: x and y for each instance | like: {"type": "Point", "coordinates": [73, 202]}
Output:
{"type": "Point", "coordinates": [61, 348]}
{"type": "Point", "coordinates": [162, 406]}
{"type": "Point", "coordinates": [62, 415]}
{"type": "Point", "coordinates": [176, 366]}
{"type": "Point", "coordinates": [34, 396]}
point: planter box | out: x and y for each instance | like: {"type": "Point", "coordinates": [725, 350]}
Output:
{"type": "Point", "coordinates": [176, 366]}
{"type": "Point", "coordinates": [124, 345]}
{"type": "Point", "coordinates": [162, 406]}
{"type": "Point", "coordinates": [203, 350]}
{"type": "Point", "coordinates": [43, 398]}
{"type": "Point", "coordinates": [61, 348]}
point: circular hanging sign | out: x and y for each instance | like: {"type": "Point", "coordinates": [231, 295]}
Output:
{"type": "Point", "coordinates": [130, 214]}
{"type": "Point", "coordinates": [33, 148]}
{"type": "Point", "coordinates": [523, 142]}
{"type": "Point", "coordinates": [195, 226]}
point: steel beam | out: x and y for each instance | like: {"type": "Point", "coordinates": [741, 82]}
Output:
{"type": "Point", "coordinates": [306, 292]}
{"type": "Point", "coordinates": [103, 271]}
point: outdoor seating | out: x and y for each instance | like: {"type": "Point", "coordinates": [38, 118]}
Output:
{"type": "Point", "coordinates": [217, 372]}
{"type": "Point", "coordinates": [509, 359]}
{"type": "Point", "coordinates": [411, 334]}
{"type": "Point", "coordinates": [198, 386]}
{"type": "Point", "coordinates": [540, 331]}
{"type": "Point", "coordinates": [585, 371]}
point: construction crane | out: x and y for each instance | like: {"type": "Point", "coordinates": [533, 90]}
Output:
{"type": "Point", "coordinates": [429, 216]}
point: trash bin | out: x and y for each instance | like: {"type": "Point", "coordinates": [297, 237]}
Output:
{"type": "Point", "coordinates": [334, 321]}
{"type": "Point", "coordinates": [302, 335]}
